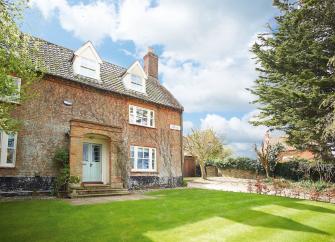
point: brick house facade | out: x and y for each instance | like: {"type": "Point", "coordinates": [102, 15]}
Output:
{"type": "Point", "coordinates": [117, 134]}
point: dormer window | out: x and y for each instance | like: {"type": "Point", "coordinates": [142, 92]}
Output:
{"type": "Point", "coordinates": [86, 62]}
{"type": "Point", "coordinates": [88, 68]}
{"type": "Point", "coordinates": [135, 78]}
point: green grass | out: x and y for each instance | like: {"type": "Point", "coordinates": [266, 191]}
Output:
{"type": "Point", "coordinates": [176, 215]}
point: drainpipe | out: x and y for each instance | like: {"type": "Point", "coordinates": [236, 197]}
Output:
{"type": "Point", "coordinates": [182, 145]}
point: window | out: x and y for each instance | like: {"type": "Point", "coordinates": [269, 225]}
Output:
{"type": "Point", "coordinates": [141, 116]}
{"type": "Point", "coordinates": [136, 80]}
{"type": "Point", "coordinates": [136, 83]}
{"type": "Point", "coordinates": [142, 158]}
{"type": "Point", "coordinates": [7, 149]}
{"type": "Point", "coordinates": [15, 98]}
{"type": "Point", "coordinates": [88, 68]}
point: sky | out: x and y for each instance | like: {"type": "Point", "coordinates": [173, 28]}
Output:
{"type": "Point", "coordinates": [203, 48]}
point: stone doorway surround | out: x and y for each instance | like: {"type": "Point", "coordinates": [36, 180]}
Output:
{"type": "Point", "coordinates": [80, 131]}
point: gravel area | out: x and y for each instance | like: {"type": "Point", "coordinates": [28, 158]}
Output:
{"type": "Point", "coordinates": [221, 183]}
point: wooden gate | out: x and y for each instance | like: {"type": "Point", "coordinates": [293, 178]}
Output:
{"type": "Point", "coordinates": [189, 166]}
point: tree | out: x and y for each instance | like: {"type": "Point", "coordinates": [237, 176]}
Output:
{"type": "Point", "coordinates": [296, 75]}
{"type": "Point", "coordinates": [204, 145]}
{"type": "Point", "coordinates": [15, 60]}
{"type": "Point", "coordinates": [268, 156]}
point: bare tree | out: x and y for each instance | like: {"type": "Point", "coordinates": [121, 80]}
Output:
{"type": "Point", "coordinates": [203, 145]}
{"type": "Point", "coordinates": [263, 156]}
{"type": "Point", "coordinates": [268, 155]}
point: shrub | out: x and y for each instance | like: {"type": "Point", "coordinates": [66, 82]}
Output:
{"type": "Point", "coordinates": [64, 178]}
{"type": "Point", "coordinates": [317, 186]}
{"type": "Point", "coordinates": [242, 163]}
{"type": "Point", "coordinates": [299, 169]}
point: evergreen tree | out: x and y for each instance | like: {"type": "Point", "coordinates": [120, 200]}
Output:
{"type": "Point", "coordinates": [296, 76]}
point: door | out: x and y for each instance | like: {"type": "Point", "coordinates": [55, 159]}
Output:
{"type": "Point", "coordinates": [92, 162]}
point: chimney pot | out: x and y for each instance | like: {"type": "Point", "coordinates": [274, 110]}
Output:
{"type": "Point", "coordinates": [151, 63]}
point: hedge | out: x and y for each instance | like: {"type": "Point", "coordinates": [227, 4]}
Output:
{"type": "Point", "coordinates": [299, 169]}
{"type": "Point", "coordinates": [241, 163]}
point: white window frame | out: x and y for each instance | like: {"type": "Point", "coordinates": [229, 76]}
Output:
{"type": "Point", "coordinates": [152, 159]}
{"type": "Point", "coordinates": [133, 117]}
{"type": "Point", "coordinates": [85, 63]}
{"type": "Point", "coordinates": [134, 85]}
{"type": "Point", "coordinates": [4, 149]}
{"type": "Point", "coordinates": [15, 98]}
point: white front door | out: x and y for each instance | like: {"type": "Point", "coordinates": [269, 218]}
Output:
{"type": "Point", "coordinates": [92, 159]}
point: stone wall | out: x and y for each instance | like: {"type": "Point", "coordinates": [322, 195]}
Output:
{"type": "Point", "coordinates": [140, 182]}
{"type": "Point", "coordinates": [46, 126]}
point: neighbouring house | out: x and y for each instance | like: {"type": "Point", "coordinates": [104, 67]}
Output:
{"type": "Point", "coordinates": [121, 126]}
{"type": "Point", "coordinates": [289, 152]}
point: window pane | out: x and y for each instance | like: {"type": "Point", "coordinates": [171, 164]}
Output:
{"type": "Point", "coordinates": [146, 153]}
{"type": "Point", "coordinates": [136, 80]}
{"type": "Point", "coordinates": [87, 72]}
{"type": "Point", "coordinates": [140, 153]}
{"type": "Point", "coordinates": [132, 152]}
{"type": "Point", "coordinates": [145, 164]}
{"type": "Point", "coordinates": [153, 154]}
{"type": "Point", "coordinates": [85, 152]}
{"type": "Point", "coordinates": [96, 153]}
{"type": "Point", "coordinates": [140, 164]}
{"type": "Point", "coordinates": [10, 156]}
{"type": "Point", "coordinates": [132, 163]}
{"type": "Point", "coordinates": [88, 64]}
{"type": "Point", "coordinates": [151, 119]}
{"type": "Point", "coordinates": [11, 141]}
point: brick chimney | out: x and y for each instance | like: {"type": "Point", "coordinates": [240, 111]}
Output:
{"type": "Point", "coordinates": [151, 63]}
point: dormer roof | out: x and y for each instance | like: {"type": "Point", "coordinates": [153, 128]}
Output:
{"type": "Point", "coordinates": [87, 50]}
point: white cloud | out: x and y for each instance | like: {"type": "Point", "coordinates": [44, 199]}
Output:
{"type": "Point", "coordinates": [94, 21]}
{"type": "Point", "coordinates": [238, 133]}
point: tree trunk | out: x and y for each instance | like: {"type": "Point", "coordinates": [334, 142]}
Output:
{"type": "Point", "coordinates": [266, 168]}
{"type": "Point", "coordinates": [203, 171]}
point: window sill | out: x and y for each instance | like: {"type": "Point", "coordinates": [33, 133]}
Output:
{"type": "Point", "coordinates": [7, 167]}
{"type": "Point", "coordinates": [143, 126]}
{"type": "Point", "coordinates": [143, 171]}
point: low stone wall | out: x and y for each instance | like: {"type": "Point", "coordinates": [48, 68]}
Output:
{"type": "Point", "coordinates": [238, 173]}
{"type": "Point", "coordinates": [139, 182]}
{"type": "Point", "coordinates": [26, 184]}
{"type": "Point", "coordinates": [211, 171]}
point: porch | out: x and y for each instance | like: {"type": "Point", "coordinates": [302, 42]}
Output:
{"type": "Point", "coordinates": [94, 159]}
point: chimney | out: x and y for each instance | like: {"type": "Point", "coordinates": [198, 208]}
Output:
{"type": "Point", "coordinates": [151, 63]}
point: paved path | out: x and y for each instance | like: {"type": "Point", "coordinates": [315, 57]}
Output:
{"type": "Point", "coordinates": [107, 199]}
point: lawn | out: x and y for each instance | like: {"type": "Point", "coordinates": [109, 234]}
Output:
{"type": "Point", "coordinates": [176, 215]}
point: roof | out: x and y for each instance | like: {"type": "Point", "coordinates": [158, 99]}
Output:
{"type": "Point", "coordinates": [57, 61]}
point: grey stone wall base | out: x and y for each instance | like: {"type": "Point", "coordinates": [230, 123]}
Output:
{"type": "Point", "coordinates": [25, 185]}
{"type": "Point", "coordinates": [139, 182]}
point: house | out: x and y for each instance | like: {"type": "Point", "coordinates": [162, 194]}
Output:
{"type": "Point", "coordinates": [122, 128]}
{"type": "Point", "coordinates": [289, 152]}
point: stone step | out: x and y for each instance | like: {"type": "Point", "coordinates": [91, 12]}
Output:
{"type": "Point", "coordinates": [99, 195]}
{"type": "Point", "coordinates": [100, 191]}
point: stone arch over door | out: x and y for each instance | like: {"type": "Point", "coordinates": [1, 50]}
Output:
{"type": "Point", "coordinates": [94, 133]}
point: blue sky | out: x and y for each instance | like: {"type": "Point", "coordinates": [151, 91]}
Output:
{"type": "Point", "coordinates": [203, 48]}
